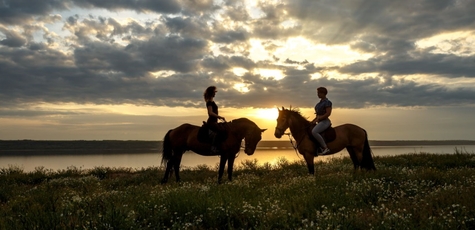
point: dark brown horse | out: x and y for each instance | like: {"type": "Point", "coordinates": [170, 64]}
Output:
{"type": "Point", "coordinates": [185, 137]}
{"type": "Point", "coordinates": [349, 136]}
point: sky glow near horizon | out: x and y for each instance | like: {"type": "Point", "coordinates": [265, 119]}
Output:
{"type": "Point", "coordinates": [131, 70]}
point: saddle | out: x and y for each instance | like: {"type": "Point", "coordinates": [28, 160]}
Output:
{"type": "Point", "coordinates": [328, 135]}
{"type": "Point", "coordinates": [206, 135]}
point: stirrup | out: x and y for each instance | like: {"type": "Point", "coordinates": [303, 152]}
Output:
{"type": "Point", "coordinates": [325, 151]}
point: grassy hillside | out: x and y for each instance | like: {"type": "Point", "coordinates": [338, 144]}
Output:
{"type": "Point", "coordinates": [418, 191]}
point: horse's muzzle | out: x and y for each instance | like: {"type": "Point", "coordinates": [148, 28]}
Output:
{"type": "Point", "coordinates": [278, 132]}
{"type": "Point", "coordinates": [249, 151]}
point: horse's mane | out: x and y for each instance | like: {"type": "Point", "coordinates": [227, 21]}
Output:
{"type": "Point", "coordinates": [242, 120]}
{"type": "Point", "coordinates": [295, 111]}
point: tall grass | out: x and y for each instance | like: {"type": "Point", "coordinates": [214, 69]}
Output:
{"type": "Point", "coordinates": [415, 191]}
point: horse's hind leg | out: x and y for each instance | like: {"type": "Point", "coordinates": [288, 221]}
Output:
{"type": "Point", "coordinates": [222, 163]}
{"type": "Point", "coordinates": [353, 157]}
{"type": "Point", "coordinates": [167, 171]}
{"type": "Point", "coordinates": [176, 165]}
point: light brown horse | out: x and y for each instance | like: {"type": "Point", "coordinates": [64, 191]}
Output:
{"type": "Point", "coordinates": [349, 136]}
{"type": "Point", "coordinates": [185, 137]}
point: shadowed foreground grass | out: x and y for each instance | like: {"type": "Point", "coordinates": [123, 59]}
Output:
{"type": "Point", "coordinates": [416, 191]}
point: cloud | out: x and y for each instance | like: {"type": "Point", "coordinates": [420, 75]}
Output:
{"type": "Point", "coordinates": [168, 52]}
{"type": "Point", "coordinates": [159, 6]}
{"type": "Point", "coordinates": [20, 12]}
{"type": "Point", "coordinates": [12, 38]}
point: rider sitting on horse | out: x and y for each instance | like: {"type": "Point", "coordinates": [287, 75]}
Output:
{"type": "Point", "coordinates": [213, 116]}
{"type": "Point", "coordinates": [323, 109]}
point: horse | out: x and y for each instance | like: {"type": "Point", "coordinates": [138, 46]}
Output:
{"type": "Point", "coordinates": [349, 136]}
{"type": "Point", "coordinates": [185, 137]}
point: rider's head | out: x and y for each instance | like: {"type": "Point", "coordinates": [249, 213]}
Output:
{"type": "Point", "coordinates": [209, 93]}
{"type": "Point", "coordinates": [322, 90]}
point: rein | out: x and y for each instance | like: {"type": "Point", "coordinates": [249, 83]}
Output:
{"type": "Point", "coordinates": [295, 146]}
{"type": "Point", "coordinates": [298, 142]}
{"type": "Point", "coordinates": [292, 143]}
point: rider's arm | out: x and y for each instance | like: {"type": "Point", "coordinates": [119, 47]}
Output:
{"type": "Point", "coordinates": [211, 113]}
{"type": "Point", "coordinates": [326, 115]}
{"type": "Point", "coordinates": [314, 121]}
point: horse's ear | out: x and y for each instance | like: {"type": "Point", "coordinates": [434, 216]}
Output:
{"type": "Point", "coordinates": [282, 107]}
{"type": "Point", "coordinates": [262, 130]}
{"type": "Point", "coordinates": [278, 109]}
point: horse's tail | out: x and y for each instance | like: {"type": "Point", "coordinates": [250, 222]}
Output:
{"type": "Point", "coordinates": [367, 161]}
{"type": "Point", "coordinates": [167, 151]}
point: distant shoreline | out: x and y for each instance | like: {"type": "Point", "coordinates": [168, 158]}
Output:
{"type": "Point", "coordinates": [73, 147]}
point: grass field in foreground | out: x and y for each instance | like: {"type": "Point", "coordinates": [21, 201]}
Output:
{"type": "Point", "coordinates": [415, 191]}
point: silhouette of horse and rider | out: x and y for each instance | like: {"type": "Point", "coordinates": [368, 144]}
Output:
{"type": "Point", "coordinates": [224, 139]}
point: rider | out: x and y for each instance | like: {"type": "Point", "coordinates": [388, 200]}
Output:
{"type": "Point", "coordinates": [213, 116]}
{"type": "Point", "coordinates": [323, 109]}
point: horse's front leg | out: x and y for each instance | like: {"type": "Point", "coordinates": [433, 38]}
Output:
{"type": "Point", "coordinates": [222, 163]}
{"type": "Point", "coordinates": [230, 167]}
{"type": "Point", "coordinates": [308, 156]}
{"type": "Point", "coordinates": [167, 171]}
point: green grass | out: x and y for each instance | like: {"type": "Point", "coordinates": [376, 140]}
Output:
{"type": "Point", "coordinates": [415, 191]}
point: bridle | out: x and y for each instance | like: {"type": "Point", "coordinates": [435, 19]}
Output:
{"type": "Point", "coordinates": [246, 141]}
{"type": "Point", "coordinates": [281, 130]}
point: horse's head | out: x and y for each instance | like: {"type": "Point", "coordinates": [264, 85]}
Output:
{"type": "Point", "coordinates": [251, 139]}
{"type": "Point", "coordinates": [248, 130]}
{"type": "Point", "coordinates": [282, 122]}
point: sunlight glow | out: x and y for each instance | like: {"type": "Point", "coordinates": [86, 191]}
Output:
{"type": "Point", "coordinates": [123, 109]}
{"type": "Point", "coordinates": [241, 87]}
{"type": "Point", "coordinates": [163, 73]}
{"type": "Point", "coordinates": [270, 73]}
{"type": "Point", "coordinates": [461, 43]}
{"type": "Point", "coordinates": [300, 49]}
{"type": "Point", "coordinates": [289, 24]}
{"type": "Point", "coordinates": [269, 114]}
{"type": "Point", "coordinates": [239, 71]}
{"type": "Point", "coordinates": [316, 75]}
{"type": "Point", "coordinates": [253, 10]}
{"type": "Point", "coordinates": [257, 52]}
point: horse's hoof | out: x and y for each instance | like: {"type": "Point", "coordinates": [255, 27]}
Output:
{"type": "Point", "coordinates": [163, 182]}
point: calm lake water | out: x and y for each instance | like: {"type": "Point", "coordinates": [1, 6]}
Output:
{"type": "Point", "coordinates": [190, 159]}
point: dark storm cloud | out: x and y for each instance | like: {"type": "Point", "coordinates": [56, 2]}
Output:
{"type": "Point", "coordinates": [189, 27]}
{"type": "Point", "coordinates": [343, 20]}
{"type": "Point", "coordinates": [445, 65]}
{"type": "Point", "coordinates": [230, 36]}
{"type": "Point", "coordinates": [223, 63]}
{"type": "Point", "coordinates": [107, 61]}
{"type": "Point", "coordinates": [159, 6]}
{"type": "Point", "coordinates": [171, 53]}
{"type": "Point", "coordinates": [19, 12]}
{"type": "Point", "coordinates": [12, 39]}
{"type": "Point", "coordinates": [218, 64]}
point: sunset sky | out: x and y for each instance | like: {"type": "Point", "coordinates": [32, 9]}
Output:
{"type": "Point", "coordinates": [131, 70]}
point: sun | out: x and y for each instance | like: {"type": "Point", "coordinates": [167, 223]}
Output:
{"type": "Point", "coordinates": [268, 114]}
